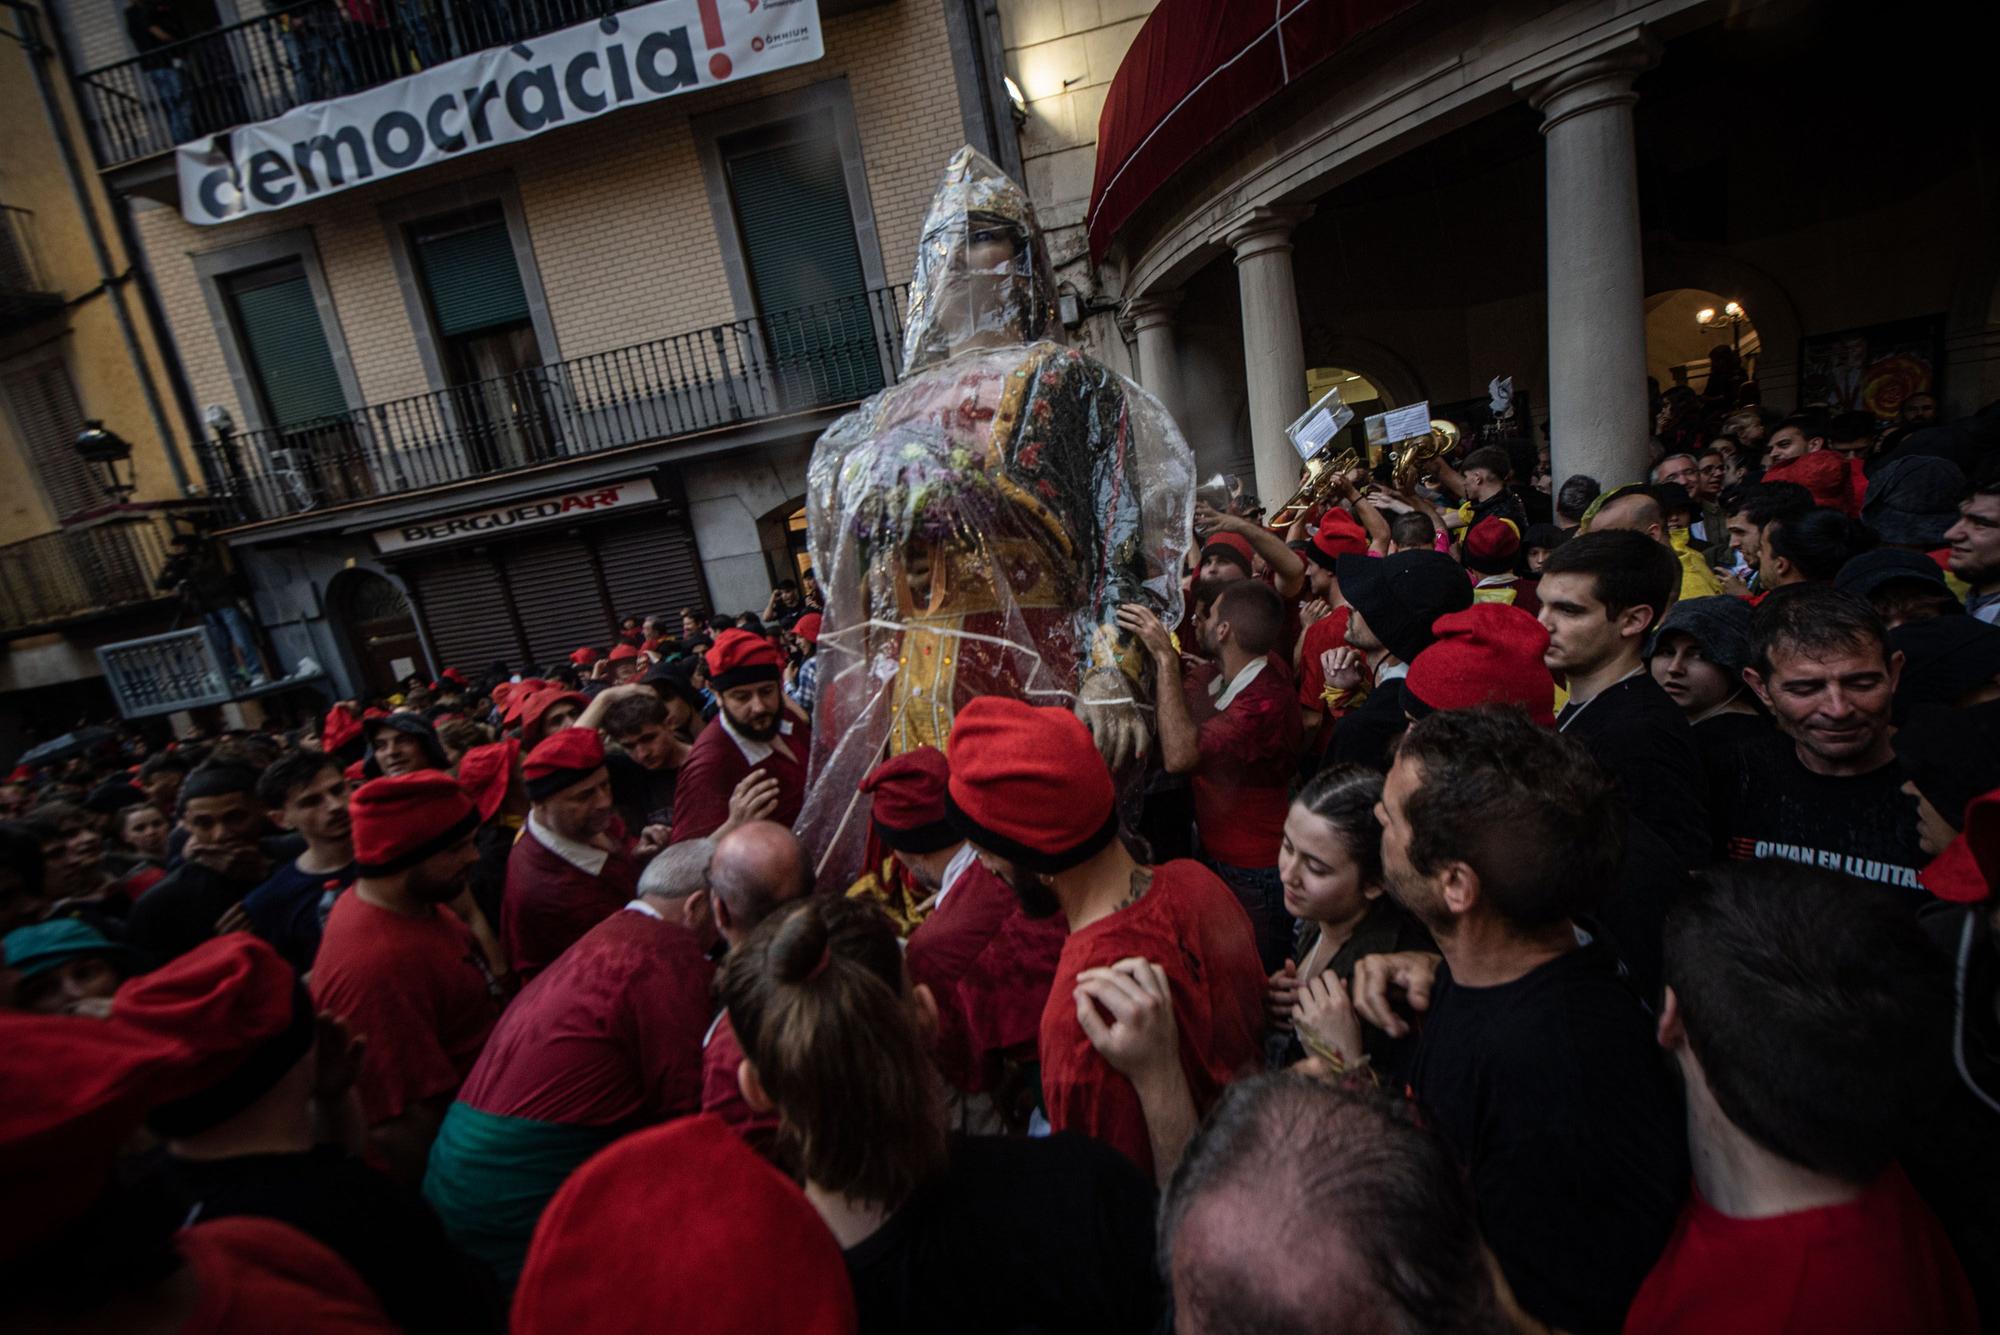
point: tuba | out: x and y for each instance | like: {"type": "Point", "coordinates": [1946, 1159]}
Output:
{"type": "Point", "coordinates": [1317, 487]}
{"type": "Point", "coordinates": [1408, 457]}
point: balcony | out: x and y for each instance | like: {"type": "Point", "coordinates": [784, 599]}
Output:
{"type": "Point", "coordinates": [292, 55]}
{"type": "Point", "coordinates": [26, 295]}
{"type": "Point", "coordinates": [89, 569]}
{"type": "Point", "coordinates": [749, 370]}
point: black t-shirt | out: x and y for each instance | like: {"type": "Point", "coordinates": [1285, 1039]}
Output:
{"type": "Point", "coordinates": [180, 912]}
{"type": "Point", "coordinates": [1637, 732]}
{"type": "Point", "coordinates": [1864, 825]}
{"type": "Point", "coordinates": [289, 909]}
{"type": "Point", "coordinates": [1052, 1235]}
{"type": "Point", "coordinates": [1720, 737]}
{"type": "Point", "coordinates": [382, 1229]}
{"type": "Point", "coordinates": [1554, 1096]}
{"type": "Point", "coordinates": [642, 796]}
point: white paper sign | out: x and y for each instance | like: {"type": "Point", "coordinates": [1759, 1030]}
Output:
{"type": "Point", "coordinates": [1321, 423]}
{"type": "Point", "coordinates": [497, 96]}
{"type": "Point", "coordinates": [1410, 422]}
{"type": "Point", "coordinates": [402, 669]}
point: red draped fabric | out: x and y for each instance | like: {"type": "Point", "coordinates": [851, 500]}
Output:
{"type": "Point", "coordinates": [1195, 69]}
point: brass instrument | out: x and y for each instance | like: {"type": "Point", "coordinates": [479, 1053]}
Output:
{"type": "Point", "coordinates": [1408, 457]}
{"type": "Point", "coordinates": [1315, 489]}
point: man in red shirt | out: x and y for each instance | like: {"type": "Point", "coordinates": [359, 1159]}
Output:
{"type": "Point", "coordinates": [754, 730]}
{"type": "Point", "coordinates": [1030, 791]}
{"type": "Point", "coordinates": [1240, 739]}
{"type": "Point", "coordinates": [756, 867]}
{"type": "Point", "coordinates": [569, 870]}
{"type": "Point", "coordinates": [987, 963]}
{"type": "Point", "coordinates": [405, 974]}
{"type": "Point", "coordinates": [1800, 1218]}
{"type": "Point", "coordinates": [605, 1039]}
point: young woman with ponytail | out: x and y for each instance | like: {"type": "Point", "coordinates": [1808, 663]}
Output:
{"type": "Point", "coordinates": [940, 1231]}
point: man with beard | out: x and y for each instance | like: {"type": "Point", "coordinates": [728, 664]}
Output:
{"type": "Point", "coordinates": [1535, 1061]}
{"type": "Point", "coordinates": [988, 964]}
{"type": "Point", "coordinates": [229, 853]}
{"type": "Point", "coordinates": [404, 973]}
{"type": "Point", "coordinates": [307, 793]}
{"type": "Point", "coordinates": [1827, 791]}
{"type": "Point", "coordinates": [1031, 792]}
{"type": "Point", "coordinates": [570, 869]}
{"type": "Point", "coordinates": [753, 731]}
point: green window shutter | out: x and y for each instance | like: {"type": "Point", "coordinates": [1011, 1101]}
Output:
{"type": "Point", "coordinates": [287, 346]}
{"type": "Point", "coordinates": [798, 232]}
{"type": "Point", "coordinates": [471, 276]}
{"type": "Point", "coordinates": [798, 240]}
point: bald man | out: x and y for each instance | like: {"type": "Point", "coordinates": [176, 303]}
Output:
{"type": "Point", "coordinates": [1636, 510]}
{"type": "Point", "coordinates": [756, 867]}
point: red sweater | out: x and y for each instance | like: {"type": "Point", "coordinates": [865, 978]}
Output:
{"type": "Point", "coordinates": [1879, 1262]}
{"type": "Point", "coordinates": [1249, 753]}
{"type": "Point", "coordinates": [550, 902]}
{"type": "Point", "coordinates": [1190, 925]}
{"type": "Point", "coordinates": [715, 764]}
{"type": "Point", "coordinates": [989, 965]}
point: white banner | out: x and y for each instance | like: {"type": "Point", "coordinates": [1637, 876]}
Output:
{"type": "Point", "coordinates": [543, 510]}
{"type": "Point", "coordinates": [496, 96]}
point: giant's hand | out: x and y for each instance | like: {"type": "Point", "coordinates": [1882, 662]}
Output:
{"type": "Point", "coordinates": [1109, 706]}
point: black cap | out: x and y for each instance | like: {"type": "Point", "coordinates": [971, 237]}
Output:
{"type": "Point", "coordinates": [1402, 596]}
{"type": "Point", "coordinates": [1862, 575]}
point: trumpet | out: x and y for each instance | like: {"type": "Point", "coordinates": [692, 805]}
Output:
{"type": "Point", "coordinates": [1315, 489]}
{"type": "Point", "coordinates": [1407, 457]}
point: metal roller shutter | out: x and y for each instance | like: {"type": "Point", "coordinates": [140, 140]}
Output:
{"type": "Point", "coordinates": [464, 608]}
{"type": "Point", "coordinates": [652, 567]}
{"type": "Point", "coordinates": [558, 598]}
{"type": "Point", "coordinates": [46, 415]}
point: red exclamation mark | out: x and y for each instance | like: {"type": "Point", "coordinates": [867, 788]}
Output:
{"type": "Point", "coordinates": [711, 32]}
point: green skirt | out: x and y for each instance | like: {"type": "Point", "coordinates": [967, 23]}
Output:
{"type": "Point", "coordinates": [489, 1178]}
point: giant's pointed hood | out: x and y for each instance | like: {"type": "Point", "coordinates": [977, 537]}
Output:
{"type": "Point", "coordinates": [952, 303]}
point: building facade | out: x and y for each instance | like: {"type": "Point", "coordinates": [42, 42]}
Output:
{"type": "Point", "coordinates": [1408, 198]}
{"type": "Point", "coordinates": [476, 410]}
{"type": "Point", "coordinates": [81, 549]}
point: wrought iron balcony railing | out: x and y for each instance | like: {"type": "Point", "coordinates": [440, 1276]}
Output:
{"type": "Point", "coordinates": [164, 673]}
{"type": "Point", "coordinates": [292, 55]}
{"type": "Point", "coordinates": [91, 568]}
{"type": "Point", "coordinates": [789, 361]}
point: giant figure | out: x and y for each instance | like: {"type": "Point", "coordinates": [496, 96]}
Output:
{"type": "Point", "coordinates": [977, 524]}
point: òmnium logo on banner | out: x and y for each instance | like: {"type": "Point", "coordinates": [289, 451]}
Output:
{"type": "Point", "coordinates": [492, 97]}
{"type": "Point", "coordinates": [542, 510]}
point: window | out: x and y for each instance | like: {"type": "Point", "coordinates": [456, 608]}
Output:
{"type": "Point", "coordinates": [485, 336]}
{"type": "Point", "coordinates": [472, 284]}
{"type": "Point", "coordinates": [48, 419]}
{"type": "Point", "coordinates": [788, 186]}
{"type": "Point", "coordinates": [291, 367]}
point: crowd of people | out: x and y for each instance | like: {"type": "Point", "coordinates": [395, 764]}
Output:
{"type": "Point", "coordinates": [1538, 908]}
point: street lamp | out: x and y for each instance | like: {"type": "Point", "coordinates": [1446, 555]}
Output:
{"type": "Point", "coordinates": [107, 449]}
{"type": "Point", "coordinates": [1731, 317]}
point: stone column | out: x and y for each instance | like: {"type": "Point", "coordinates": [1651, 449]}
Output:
{"type": "Point", "coordinates": [1596, 310]}
{"type": "Point", "coordinates": [1274, 359]}
{"type": "Point", "coordinates": [1152, 320]}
